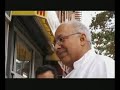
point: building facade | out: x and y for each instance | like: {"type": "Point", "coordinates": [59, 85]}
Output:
{"type": "Point", "coordinates": [65, 16]}
{"type": "Point", "coordinates": [29, 42]}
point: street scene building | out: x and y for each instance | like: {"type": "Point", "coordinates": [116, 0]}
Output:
{"type": "Point", "coordinates": [29, 37]}
{"type": "Point", "coordinates": [65, 16]}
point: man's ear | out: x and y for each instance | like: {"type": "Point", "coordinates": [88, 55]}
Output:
{"type": "Point", "coordinates": [82, 39]}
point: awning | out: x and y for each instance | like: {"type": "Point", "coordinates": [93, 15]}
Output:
{"type": "Point", "coordinates": [30, 13]}
{"type": "Point", "coordinates": [41, 18]}
{"type": "Point", "coordinates": [48, 20]}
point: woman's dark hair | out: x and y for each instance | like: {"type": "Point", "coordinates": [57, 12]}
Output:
{"type": "Point", "coordinates": [45, 68]}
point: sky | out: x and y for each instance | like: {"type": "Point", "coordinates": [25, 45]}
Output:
{"type": "Point", "coordinates": [87, 17]}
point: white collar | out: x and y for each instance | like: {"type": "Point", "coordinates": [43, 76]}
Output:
{"type": "Point", "coordinates": [85, 58]}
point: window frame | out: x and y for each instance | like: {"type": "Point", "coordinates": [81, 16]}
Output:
{"type": "Point", "coordinates": [18, 33]}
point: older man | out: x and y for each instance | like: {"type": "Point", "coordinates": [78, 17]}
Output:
{"type": "Point", "coordinates": [73, 47]}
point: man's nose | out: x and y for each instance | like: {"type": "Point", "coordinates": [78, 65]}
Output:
{"type": "Point", "coordinates": [57, 46]}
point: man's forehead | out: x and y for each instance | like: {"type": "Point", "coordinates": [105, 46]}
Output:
{"type": "Point", "coordinates": [63, 29]}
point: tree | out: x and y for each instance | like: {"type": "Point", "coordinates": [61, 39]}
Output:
{"type": "Point", "coordinates": [103, 33]}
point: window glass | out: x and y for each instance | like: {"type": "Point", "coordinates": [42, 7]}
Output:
{"type": "Point", "coordinates": [23, 59]}
{"type": "Point", "coordinates": [38, 61]}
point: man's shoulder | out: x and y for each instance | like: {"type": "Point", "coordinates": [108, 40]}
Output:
{"type": "Point", "coordinates": [104, 58]}
{"type": "Point", "coordinates": [105, 61]}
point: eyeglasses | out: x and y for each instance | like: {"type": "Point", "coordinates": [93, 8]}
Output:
{"type": "Point", "coordinates": [61, 39]}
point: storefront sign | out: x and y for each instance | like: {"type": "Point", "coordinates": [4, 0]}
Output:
{"type": "Point", "coordinates": [41, 13]}
{"type": "Point", "coordinates": [29, 13]}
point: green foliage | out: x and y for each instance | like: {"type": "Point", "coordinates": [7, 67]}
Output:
{"type": "Point", "coordinates": [104, 39]}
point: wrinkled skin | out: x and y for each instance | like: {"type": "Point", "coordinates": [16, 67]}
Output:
{"type": "Point", "coordinates": [72, 48]}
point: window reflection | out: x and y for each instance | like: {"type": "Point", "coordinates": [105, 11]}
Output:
{"type": "Point", "coordinates": [24, 57]}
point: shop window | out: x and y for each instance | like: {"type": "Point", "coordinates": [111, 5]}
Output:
{"type": "Point", "coordinates": [22, 64]}
{"type": "Point", "coordinates": [38, 61]}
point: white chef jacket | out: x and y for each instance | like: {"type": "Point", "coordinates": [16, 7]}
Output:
{"type": "Point", "coordinates": [92, 65]}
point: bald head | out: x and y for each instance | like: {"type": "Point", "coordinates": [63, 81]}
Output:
{"type": "Point", "coordinates": [77, 27]}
